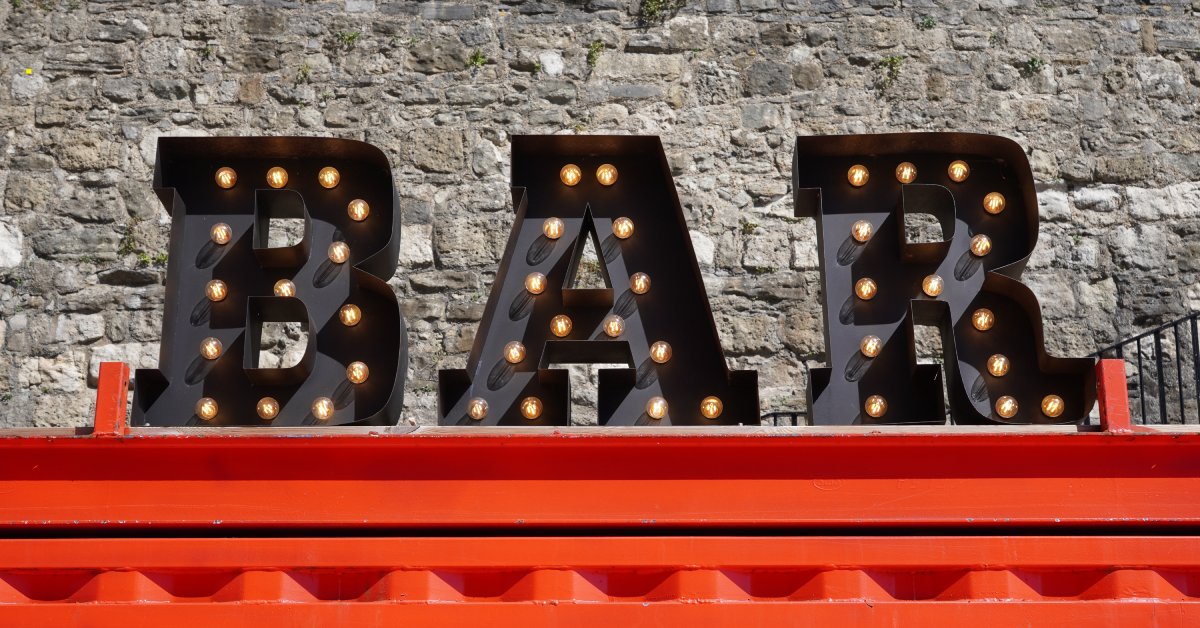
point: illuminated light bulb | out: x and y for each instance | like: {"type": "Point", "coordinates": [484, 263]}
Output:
{"type": "Point", "coordinates": [267, 408]}
{"type": "Point", "coordinates": [277, 177]}
{"type": "Point", "coordinates": [932, 285]}
{"type": "Point", "coordinates": [329, 177]}
{"type": "Point", "coordinates": [639, 283]}
{"type": "Point", "coordinates": [906, 172]}
{"type": "Point", "coordinates": [531, 408]}
{"type": "Point", "coordinates": [993, 203]}
{"type": "Point", "coordinates": [216, 290]}
{"type": "Point", "coordinates": [357, 372]}
{"type": "Point", "coordinates": [1053, 406]}
{"type": "Point", "coordinates": [998, 365]}
{"type": "Point", "coordinates": [861, 231]}
{"type": "Point", "coordinates": [339, 252]}
{"type": "Point", "coordinates": [477, 409]}
{"type": "Point", "coordinates": [210, 348]}
{"type": "Point", "coordinates": [514, 352]}
{"type": "Point", "coordinates": [350, 315]}
{"type": "Point", "coordinates": [553, 228]}
{"type": "Point", "coordinates": [958, 171]}
{"type": "Point", "coordinates": [322, 408]}
{"type": "Point", "coordinates": [1006, 407]}
{"type": "Point", "coordinates": [614, 326]}
{"type": "Point", "coordinates": [535, 283]}
{"type": "Point", "coordinates": [857, 175]}
{"type": "Point", "coordinates": [561, 325]}
{"type": "Point", "coordinates": [571, 175]}
{"type": "Point", "coordinates": [606, 174]}
{"type": "Point", "coordinates": [711, 407]}
{"type": "Point", "coordinates": [656, 408]}
{"type": "Point", "coordinates": [221, 233]}
{"type": "Point", "coordinates": [285, 288]}
{"type": "Point", "coordinates": [660, 352]}
{"type": "Point", "coordinates": [226, 177]}
{"type": "Point", "coordinates": [981, 245]}
{"type": "Point", "coordinates": [358, 210]}
{"type": "Point", "coordinates": [870, 346]}
{"type": "Point", "coordinates": [875, 406]}
{"type": "Point", "coordinates": [865, 288]}
{"type": "Point", "coordinates": [206, 408]}
{"type": "Point", "coordinates": [983, 319]}
{"type": "Point", "coordinates": [623, 227]}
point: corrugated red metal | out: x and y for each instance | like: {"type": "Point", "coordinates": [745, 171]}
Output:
{"type": "Point", "coordinates": [508, 580]}
{"type": "Point", "coordinates": [703, 481]}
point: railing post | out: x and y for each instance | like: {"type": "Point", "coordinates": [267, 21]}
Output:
{"type": "Point", "coordinates": [112, 393]}
{"type": "Point", "coordinates": [1113, 395]}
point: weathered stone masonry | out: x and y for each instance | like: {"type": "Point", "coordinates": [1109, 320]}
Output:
{"type": "Point", "coordinates": [1102, 94]}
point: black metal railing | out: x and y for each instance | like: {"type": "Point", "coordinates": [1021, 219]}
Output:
{"type": "Point", "coordinates": [1163, 372]}
{"type": "Point", "coordinates": [785, 418]}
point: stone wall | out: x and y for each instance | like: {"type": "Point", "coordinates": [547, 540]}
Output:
{"type": "Point", "coordinates": [1103, 95]}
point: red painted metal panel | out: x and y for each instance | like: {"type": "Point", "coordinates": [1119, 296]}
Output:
{"type": "Point", "coordinates": [112, 395]}
{"type": "Point", "coordinates": [506, 581]}
{"type": "Point", "coordinates": [572, 478]}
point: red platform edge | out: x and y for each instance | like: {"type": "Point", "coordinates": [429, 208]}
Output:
{"type": "Point", "coordinates": [686, 497]}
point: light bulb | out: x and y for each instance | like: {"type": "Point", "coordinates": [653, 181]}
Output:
{"type": "Point", "coordinates": [329, 177]}
{"type": "Point", "coordinates": [357, 372]}
{"type": "Point", "coordinates": [531, 408]}
{"type": "Point", "coordinates": [711, 407]}
{"type": "Point", "coordinates": [875, 406]}
{"type": "Point", "coordinates": [998, 365]}
{"type": "Point", "coordinates": [226, 177]}
{"type": "Point", "coordinates": [857, 175]}
{"type": "Point", "coordinates": [561, 325]}
{"type": "Point", "coordinates": [958, 171]}
{"type": "Point", "coordinates": [514, 352]}
{"type": "Point", "coordinates": [1006, 407]}
{"type": "Point", "coordinates": [623, 227]}
{"type": "Point", "coordinates": [932, 285]}
{"type": "Point", "coordinates": [870, 346]}
{"type": "Point", "coordinates": [267, 408]}
{"type": "Point", "coordinates": [660, 352]}
{"type": "Point", "coordinates": [639, 283]}
{"type": "Point", "coordinates": [614, 326]}
{"type": "Point", "coordinates": [221, 233]}
{"type": "Point", "coordinates": [983, 319]}
{"type": "Point", "coordinates": [216, 290]}
{"type": "Point", "coordinates": [865, 288]}
{"type": "Point", "coordinates": [1053, 406]}
{"type": "Point", "coordinates": [350, 315]}
{"type": "Point", "coordinates": [322, 408]}
{"type": "Point", "coordinates": [477, 409]}
{"type": "Point", "coordinates": [656, 408]}
{"type": "Point", "coordinates": [535, 283]}
{"type": "Point", "coordinates": [861, 231]}
{"type": "Point", "coordinates": [906, 172]}
{"type": "Point", "coordinates": [993, 203]}
{"type": "Point", "coordinates": [285, 288]}
{"type": "Point", "coordinates": [210, 348]}
{"type": "Point", "coordinates": [358, 210]}
{"type": "Point", "coordinates": [339, 252]}
{"type": "Point", "coordinates": [206, 408]}
{"type": "Point", "coordinates": [981, 245]}
{"type": "Point", "coordinates": [570, 175]}
{"type": "Point", "coordinates": [277, 177]}
{"type": "Point", "coordinates": [553, 228]}
{"type": "Point", "coordinates": [606, 174]}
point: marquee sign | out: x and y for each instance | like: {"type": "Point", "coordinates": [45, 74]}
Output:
{"type": "Point", "coordinates": [226, 279]}
{"type": "Point", "coordinates": [653, 319]}
{"type": "Point", "coordinates": [650, 325]}
{"type": "Point", "coordinates": [878, 282]}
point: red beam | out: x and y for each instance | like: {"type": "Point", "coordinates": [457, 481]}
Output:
{"type": "Point", "coordinates": [523, 478]}
{"type": "Point", "coordinates": [939, 581]}
{"type": "Point", "coordinates": [112, 395]}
